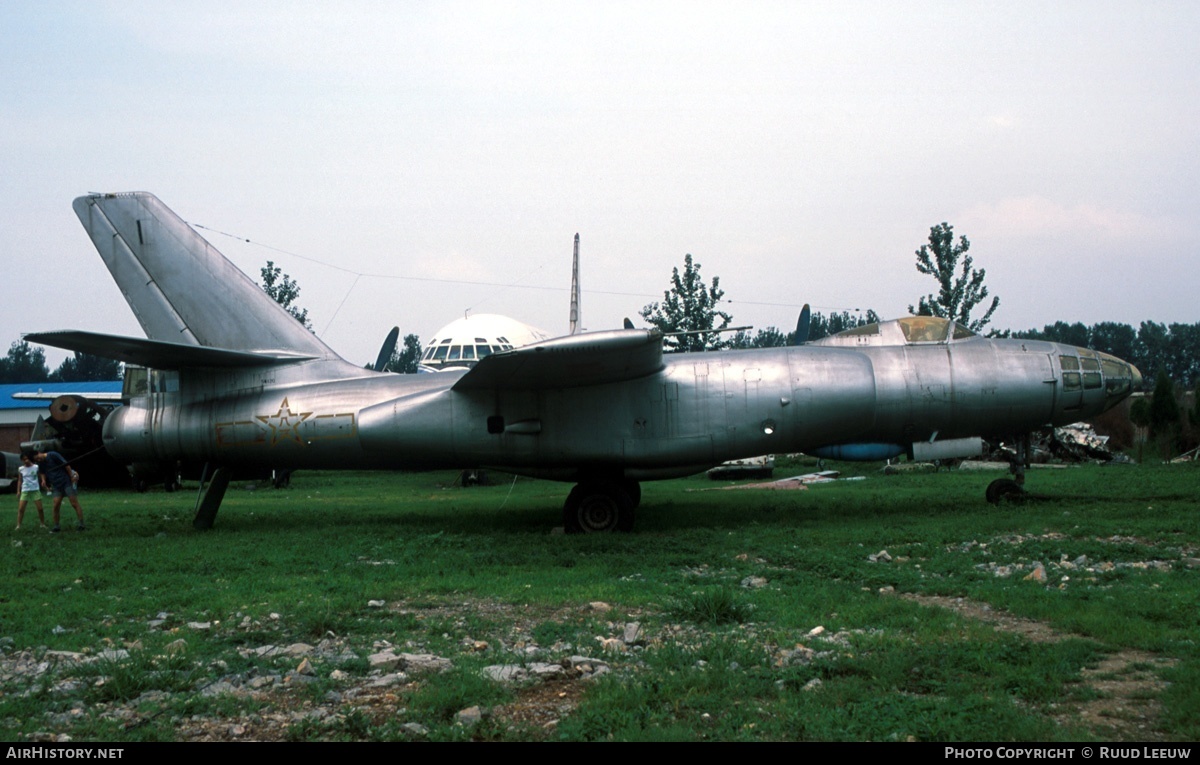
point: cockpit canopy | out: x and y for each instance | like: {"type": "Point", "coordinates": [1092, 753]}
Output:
{"type": "Point", "coordinates": [910, 330]}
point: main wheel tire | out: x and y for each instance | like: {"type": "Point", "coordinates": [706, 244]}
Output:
{"type": "Point", "coordinates": [1004, 489]}
{"type": "Point", "coordinates": [634, 490]}
{"type": "Point", "coordinates": [597, 507]}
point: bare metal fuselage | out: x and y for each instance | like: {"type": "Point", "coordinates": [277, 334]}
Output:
{"type": "Point", "coordinates": [699, 410]}
{"type": "Point", "coordinates": [241, 386]}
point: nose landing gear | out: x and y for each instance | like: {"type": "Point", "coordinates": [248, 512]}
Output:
{"type": "Point", "coordinates": [1013, 489]}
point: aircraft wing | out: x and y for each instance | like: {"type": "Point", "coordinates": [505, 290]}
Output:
{"type": "Point", "coordinates": [114, 395]}
{"type": "Point", "coordinates": [591, 358]}
{"type": "Point", "coordinates": [159, 354]}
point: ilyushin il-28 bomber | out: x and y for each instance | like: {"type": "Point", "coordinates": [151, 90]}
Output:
{"type": "Point", "coordinates": [228, 380]}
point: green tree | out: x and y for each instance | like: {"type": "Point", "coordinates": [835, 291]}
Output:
{"type": "Point", "coordinates": [821, 325]}
{"type": "Point", "coordinates": [1184, 353]}
{"type": "Point", "coordinates": [24, 364]}
{"type": "Point", "coordinates": [1164, 409]}
{"type": "Point", "coordinates": [1115, 338]}
{"type": "Point", "coordinates": [1139, 412]}
{"type": "Point", "coordinates": [771, 337]}
{"type": "Point", "coordinates": [690, 306]}
{"type": "Point", "coordinates": [406, 358]}
{"type": "Point", "coordinates": [1194, 412]}
{"type": "Point", "coordinates": [1164, 415]}
{"type": "Point", "coordinates": [960, 286]}
{"type": "Point", "coordinates": [284, 290]}
{"type": "Point", "coordinates": [84, 367]}
{"type": "Point", "coordinates": [1152, 350]}
{"type": "Point", "coordinates": [1076, 334]}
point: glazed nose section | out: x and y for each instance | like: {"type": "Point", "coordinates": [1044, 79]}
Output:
{"type": "Point", "coordinates": [1120, 378]}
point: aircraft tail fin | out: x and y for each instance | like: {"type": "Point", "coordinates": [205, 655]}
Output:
{"type": "Point", "coordinates": [803, 325]}
{"type": "Point", "coordinates": [182, 289]}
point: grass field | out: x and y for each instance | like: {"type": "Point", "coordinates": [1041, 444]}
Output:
{"type": "Point", "coordinates": [763, 615]}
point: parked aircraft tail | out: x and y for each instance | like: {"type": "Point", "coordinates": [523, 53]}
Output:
{"type": "Point", "coordinates": [182, 289]}
{"type": "Point", "coordinates": [803, 325]}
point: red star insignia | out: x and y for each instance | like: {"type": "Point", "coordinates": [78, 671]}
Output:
{"type": "Point", "coordinates": [285, 423]}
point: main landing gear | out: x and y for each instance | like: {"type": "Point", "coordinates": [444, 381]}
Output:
{"type": "Point", "coordinates": [1013, 489]}
{"type": "Point", "coordinates": [601, 505]}
{"type": "Point", "coordinates": [208, 501]}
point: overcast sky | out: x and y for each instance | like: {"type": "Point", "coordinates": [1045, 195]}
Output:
{"type": "Point", "coordinates": [800, 151]}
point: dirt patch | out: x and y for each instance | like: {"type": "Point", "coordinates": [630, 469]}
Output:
{"type": "Point", "coordinates": [1128, 683]}
{"type": "Point", "coordinates": [1034, 631]}
{"type": "Point", "coordinates": [541, 706]}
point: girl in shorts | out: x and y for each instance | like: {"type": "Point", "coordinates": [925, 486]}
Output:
{"type": "Point", "coordinates": [29, 490]}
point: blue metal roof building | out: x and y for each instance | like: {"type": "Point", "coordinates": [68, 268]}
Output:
{"type": "Point", "coordinates": [50, 389]}
{"type": "Point", "coordinates": [18, 415]}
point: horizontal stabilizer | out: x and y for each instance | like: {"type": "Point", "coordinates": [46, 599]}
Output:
{"type": "Point", "coordinates": [591, 358]}
{"type": "Point", "coordinates": [159, 354]}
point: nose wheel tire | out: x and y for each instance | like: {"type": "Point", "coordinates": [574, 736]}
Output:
{"type": "Point", "coordinates": [595, 507]}
{"type": "Point", "coordinates": [1004, 489]}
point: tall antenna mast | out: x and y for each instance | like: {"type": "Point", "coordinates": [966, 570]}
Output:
{"type": "Point", "coordinates": [575, 290]}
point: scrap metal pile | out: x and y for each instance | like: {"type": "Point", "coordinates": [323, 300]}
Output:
{"type": "Point", "coordinates": [1078, 442]}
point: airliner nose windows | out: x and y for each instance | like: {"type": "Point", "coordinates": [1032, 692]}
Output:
{"type": "Point", "coordinates": [462, 343]}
